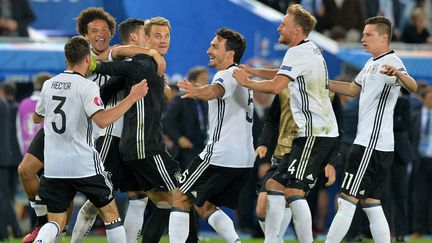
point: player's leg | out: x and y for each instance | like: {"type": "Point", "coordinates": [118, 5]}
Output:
{"type": "Point", "coordinates": [219, 220]}
{"type": "Point", "coordinates": [107, 146]}
{"type": "Point", "coordinates": [58, 196]}
{"type": "Point", "coordinates": [113, 223]}
{"type": "Point", "coordinates": [377, 220]}
{"type": "Point", "coordinates": [84, 222]}
{"type": "Point", "coordinates": [309, 157]}
{"type": "Point", "coordinates": [28, 171]}
{"type": "Point", "coordinates": [381, 163]}
{"type": "Point", "coordinates": [52, 229]}
{"type": "Point", "coordinates": [99, 190]}
{"type": "Point", "coordinates": [356, 185]}
{"type": "Point", "coordinates": [134, 218]}
{"type": "Point", "coordinates": [178, 229]}
{"type": "Point", "coordinates": [275, 202]}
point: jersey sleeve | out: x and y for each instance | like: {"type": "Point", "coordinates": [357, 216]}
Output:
{"type": "Point", "coordinates": [293, 65]}
{"type": "Point", "coordinates": [360, 77]}
{"type": "Point", "coordinates": [91, 99]}
{"type": "Point", "coordinates": [227, 81]}
{"type": "Point", "coordinates": [398, 64]}
{"type": "Point", "coordinates": [40, 105]}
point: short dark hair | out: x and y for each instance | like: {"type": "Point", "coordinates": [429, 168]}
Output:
{"type": "Point", "coordinates": [76, 49]}
{"type": "Point", "coordinates": [195, 72]}
{"type": "Point", "coordinates": [89, 14]}
{"type": "Point", "coordinates": [234, 42]}
{"type": "Point", "coordinates": [384, 25]}
{"type": "Point", "coordinates": [127, 27]}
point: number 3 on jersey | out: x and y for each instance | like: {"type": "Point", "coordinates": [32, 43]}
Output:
{"type": "Point", "coordinates": [62, 114]}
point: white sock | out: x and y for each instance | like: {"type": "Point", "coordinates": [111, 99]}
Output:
{"type": "Point", "coordinates": [134, 219]}
{"type": "Point", "coordinates": [116, 234]}
{"type": "Point", "coordinates": [302, 220]}
{"type": "Point", "coordinates": [285, 222]}
{"type": "Point", "coordinates": [60, 236]}
{"type": "Point", "coordinates": [274, 217]}
{"type": "Point", "coordinates": [84, 222]}
{"type": "Point", "coordinates": [341, 222]}
{"type": "Point", "coordinates": [262, 225]}
{"type": "Point", "coordinates": [378, 224]}
{"type": "Point", "coordinates": [48, 233]}
{"type": "Point", "coordinates": [40, 209]}
{"type": "Point", "coordinates": [178, 229]}
{"type": "Point", "coordinates": [224, 226]}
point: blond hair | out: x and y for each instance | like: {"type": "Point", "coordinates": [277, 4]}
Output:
{"type": "Point", "coordinates": [302, 17]}
{"type": "Point", "coordinates": [160, 21]}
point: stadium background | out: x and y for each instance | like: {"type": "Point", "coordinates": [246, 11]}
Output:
{"type": "Point", "coordinates": [193, 25]}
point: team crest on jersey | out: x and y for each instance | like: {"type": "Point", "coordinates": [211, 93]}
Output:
{"type": "Point", "coordinates": [288, 68]}
{"type": "Point", "coordinates": [374, 68]}
{"type": "Point", "coordinates": [98, 101]}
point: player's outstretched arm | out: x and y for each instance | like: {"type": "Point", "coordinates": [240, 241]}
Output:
{"type": "Point", "coordinates": [407, 81]}
{"type": "Point", "coordinates": [206, 92]}
{"type": "Point", "coordinates": [275, 85]}
{"type": "Point", "coordinates": [345, 88]}
{"type": "Point", "coordinates": [259, 72]}
{"type": "Point", "coordinates": [106, 117]}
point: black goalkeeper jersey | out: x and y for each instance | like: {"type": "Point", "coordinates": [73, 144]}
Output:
{"type": "Point", "coordinates": [142, 128]}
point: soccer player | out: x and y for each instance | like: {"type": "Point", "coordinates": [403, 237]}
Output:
{"type": "Point", "coordinates": [371, 155]}
{"type": "Point", "coordinates": [216, 176]}
{"type": "Point", "coordinates": [68, 102]}
{"type": "Point", "coordinates": [304, 71]}
{"type": "Point", "coordinates": [99, 26]}
{"type": "Point", "coordinates": [149, 168]}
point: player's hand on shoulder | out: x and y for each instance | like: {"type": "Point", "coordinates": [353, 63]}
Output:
{"type": "Point", "coordinates": [139, 90]}
{"type": "Point", "coordinates": [248, 69]}
{"type": "Point", "coordinates": [241, 76]}
{"type": "Point", "coordinates": [160, 61]}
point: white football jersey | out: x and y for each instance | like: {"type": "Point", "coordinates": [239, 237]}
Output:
{"type": "Point", "coordinates": [378, 97]}
{"type": "Point", "coordinates": [230, 141]}
{"type": "Point", "coordinates": [68, 101]}
{"type": "Point", "coordinates": [310, 100]}
{"type": "Point", "coordinates": [114, 129]}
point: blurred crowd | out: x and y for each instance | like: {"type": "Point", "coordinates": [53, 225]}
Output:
{"type": "Point", "coordinates": [342, 20]}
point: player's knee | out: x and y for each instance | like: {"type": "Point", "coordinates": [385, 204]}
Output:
{"type": "Point", "coordinates": [261, 206]}
{"type": "Point", "coordinates": [88, 208]}
{"type": "Point", "coordinates": [206, 210]}
{"type": "Point", "coordinates": [370, 202]}
{"type": "Point", "coordinates": [180, 200]}
{"type": "Point", "coordinates": [296, 188]}
{"type": "Point", "coordinates": [273, 185]}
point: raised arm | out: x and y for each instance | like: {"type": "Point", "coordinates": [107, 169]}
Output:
{"type": "Point", "coordinates": [120, 52]}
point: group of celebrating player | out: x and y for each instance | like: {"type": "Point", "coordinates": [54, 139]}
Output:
{"type": "Point", "coordinates": [125, 148]}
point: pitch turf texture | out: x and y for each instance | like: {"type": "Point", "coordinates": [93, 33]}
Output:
{"type": "Point", "coordinates": [165, 240]}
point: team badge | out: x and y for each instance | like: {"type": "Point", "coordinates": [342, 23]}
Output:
{"type": "Point", "coordinates": [374, 68]}
{"type": "Point", "coordinates": [98, 101]}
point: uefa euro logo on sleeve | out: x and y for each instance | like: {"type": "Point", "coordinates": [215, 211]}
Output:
{"type": "Point", "coordinates": [288, 68]}
{"type": "Point", "coordinates": [98, 101]}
